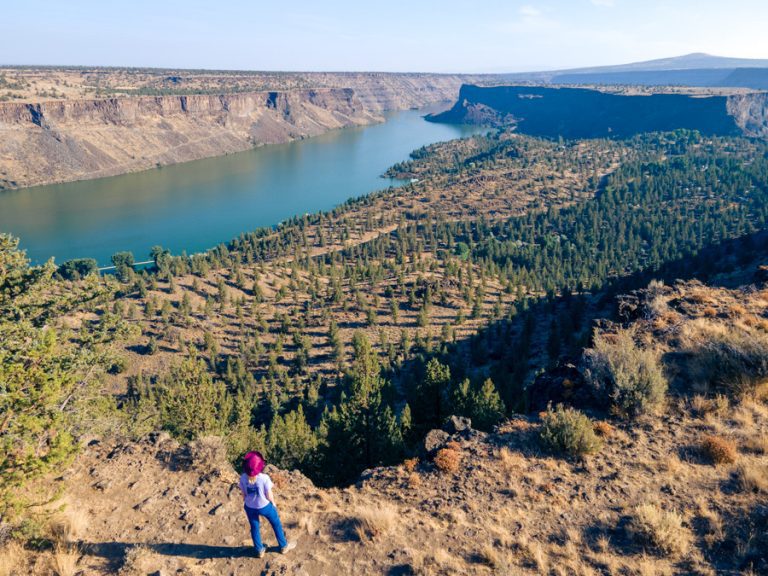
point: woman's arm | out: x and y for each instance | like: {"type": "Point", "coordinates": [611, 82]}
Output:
{"type": "Point", "coordinates": [270, 496]}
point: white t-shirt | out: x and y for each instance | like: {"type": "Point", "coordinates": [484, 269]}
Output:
{"type": "Point", "coordinates": [256, 491]}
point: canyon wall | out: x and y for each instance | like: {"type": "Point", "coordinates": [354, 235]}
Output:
{"type": "Point", "coordinates": [60, 141]}
{"type": "Point", "coordinates": [582, 113]}
{"type": "Point", "coordinates": [750, 111]}
{"type": "Point", "coordinates": [72, 140]}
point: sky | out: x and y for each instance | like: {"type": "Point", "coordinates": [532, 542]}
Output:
{"type": "Point", "coordinates": [376, 35]}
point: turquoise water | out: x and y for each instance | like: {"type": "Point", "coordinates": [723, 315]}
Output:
{"type": "Point", "coordinates": [196, 205]}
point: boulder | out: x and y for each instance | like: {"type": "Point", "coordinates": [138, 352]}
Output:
{"type": "Point", "coordinates": [564, 384]}
{"type": "Point", "coordinates": [457, 424]}
{"type": "Point", "coordinates": [434, 440]}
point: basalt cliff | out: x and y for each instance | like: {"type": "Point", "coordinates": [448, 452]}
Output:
{"type": "Point", "coordinates": [584, 113]}
{"type": "Point", "coordinates": [60, 141]}
{"type": "Point", "coordinates": [72, 140]}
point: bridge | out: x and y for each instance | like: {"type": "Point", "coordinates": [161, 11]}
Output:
{"type": "Point", "coordinates": [106, 268]}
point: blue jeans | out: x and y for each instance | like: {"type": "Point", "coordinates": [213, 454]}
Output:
{"type": "Point", "coordinates": [270, 513]}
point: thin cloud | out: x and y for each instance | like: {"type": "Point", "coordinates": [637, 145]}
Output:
{"type": "Point", "coordinates": [529, 11]}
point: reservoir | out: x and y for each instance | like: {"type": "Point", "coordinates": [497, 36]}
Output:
{"type": "Point", "coordinates": [197, 205]}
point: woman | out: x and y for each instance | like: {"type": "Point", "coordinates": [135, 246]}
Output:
{"type": "Point", "coordinates": [259, 501]}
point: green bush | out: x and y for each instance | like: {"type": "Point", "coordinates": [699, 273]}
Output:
{"type": "Point", "coordinates": [568, 431]}
{"type": "Point", "coordinates": [631, 376]}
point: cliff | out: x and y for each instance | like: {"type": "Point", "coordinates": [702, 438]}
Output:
{"type": "Point", "coordinates": [582, 113]}
{"type": "Point", "coordinates": [750, 111]}
{"type": "Point", "coordinates": [65, 140]}
{"type": "Point", "coordinates": [72, 140]}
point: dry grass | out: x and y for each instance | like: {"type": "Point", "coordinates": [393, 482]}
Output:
{"type": "Point", "coordinates": [490, 556]}
{"type": "Point", "coordinates": [664, 530]}
{"type": "Point", "coordinates": [729, 358]}
{"type": "Point", "coordinates": [603, 429]}
{"type": "Point", "coordinates": [64, 560]}
{"type": "Point", "coordinates": [713, 523]}
{"type": "Point", "coordinates": [719, 450]}
{"type": "Point", "coordinates": [307, 523]}
{"type": "Point", "coordinates": [737, 310]}
{"type": "Point", "coordinates": [67, 526]}
{"type": "Point", "coordinates": [370, 523]}
{"type": "Point", "coordinates": [209, 455]}
{"type": "Point", "coordinates": [414, 480]}
{"type": "Point", "coordinates": [702, 406]}
{"type": "Point", "coordinates": [511, 461]}
{"type": "Point", "coordinates": [441, 562]}
{"type": "Point", "coordinates": [709, 312]}
{"type": "Point", "coordinates": [12, 559]}
{"type": "Point", "coordinates": [448, 460]}
{"type": "Point", "coordinates": [752, 477]}
{"type": "Point", "coordinates": [755, 445]}
{"type": "Point", "coordinates": [539, 558]}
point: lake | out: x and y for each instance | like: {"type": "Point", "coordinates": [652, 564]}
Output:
{"type": "Point", "coordinates": [196, 205]}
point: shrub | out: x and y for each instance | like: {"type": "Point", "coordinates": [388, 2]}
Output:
{"type": "Point", "coordinates": [631, 376]}
{"type": "Point", "coordinates": [568, 431]}
{"type": "Point", "coordinates": [735, 362]}
{"type": "Point", "coordinates": [448, 460]}
{"type": "Point", "coordinates": [410, 464]}
{"type": "Point", "coordinates": [65, 559]}
{"type": "Point", "coordinates": [719, 450]}
{"type": "Point", "coordinates": [603, 429]}
{"type": "Point", "coordinates": [372, 522]}
{"type": "Point", "coordinates": [661, 529]}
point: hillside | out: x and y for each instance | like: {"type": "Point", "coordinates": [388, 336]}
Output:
{"type": "Point", "coordinates": [487, 287]}
{"type": "Point", "coordinates": [511, 506]}
{"type": "Point", "coordinates": [695, 69]}
{"type": "Point", "coordinates": [582, 113]}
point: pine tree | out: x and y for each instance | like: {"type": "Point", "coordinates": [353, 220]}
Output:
{"type": "Point", "coordinates": [487, 406]}
{"type": "Point", "coordinates": [362, 431]}
{"type": "Point", "coordinates": [428, 395]}
{"type": "Point", "coordinates": [290, 440]}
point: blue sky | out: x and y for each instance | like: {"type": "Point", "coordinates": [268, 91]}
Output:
{"type": "Point", "coordinates": [394, 35]}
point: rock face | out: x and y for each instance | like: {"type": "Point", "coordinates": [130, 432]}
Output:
{"type": "Point", "coordinates": [60, 141]}
{"type": "Point", "coordinates": [71, 140]}
{"type": "Point", "coordinates": [751, 113]}
{"type": "Point", "coordinates": [582, 113]}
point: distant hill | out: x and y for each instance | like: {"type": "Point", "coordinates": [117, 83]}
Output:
{"type": "Point", "coordinates": [689, 70]}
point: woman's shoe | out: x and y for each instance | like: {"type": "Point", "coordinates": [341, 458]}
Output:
{"type": "Point", "coordinates": [260, 553]}
{"type": "Point", "coordinates": [290, 546]}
